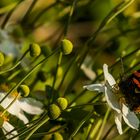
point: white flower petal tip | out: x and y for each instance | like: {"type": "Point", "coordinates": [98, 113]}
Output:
{"type": "Point", "coordinates": [118, 121]}
{"type": "Point", "coordinates": [22, 117]}
{"type": "Point", "coordinates": [130, 118]}
{"type": "Point", "coordinates": [95, 87]}
{"type": "Point", "coordinates": [108, 76]}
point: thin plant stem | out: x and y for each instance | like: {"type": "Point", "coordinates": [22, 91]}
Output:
{"type": "Point", "coordinates": [77, 97]}
{"type": "Point", "coordinates": [107, 133]}
{"type": "Point", "coordinates": [112, 14]}
{"type": "Point", "coordinates": [19, 129]}
{"type": "Point", "coordinates": [50, 132]}
{"type": "Point", "coordinates": [55, 76]}
{"type": "Point", "coordinates": [80, 125]}
{"type": "Point", "coordinates": [28, 74]}
{"type": "Point", "coordinates": [37, 127]}
{"type": "Point", "coordinates": [94, 129]}
{"type": "Point", "coordinates": [66, 72]}
{"type": "Point", "coordinates": [9, 15]}
{"type": "Point", "coordinates": [103, 124]}
{"type": "Point", "coordinates": [79, 63]}
{"type": "Point", "coordinates": [29, 128]}
{"type": "Point", "coordinates": [69, 17]}
{"type": "Point", "coordinates": [65, 33]}
{"type": "Point", "coordinates": [17, 63]}
{"type": "Point", "coordinates": [86, 104]}
{"type": "Point", "coordinates": [40, 14]}
{"type": "Point", "coordinates": [28, 11]}
{"type": "Point", "coordinates": [118, 136]}
{"type": "Point", "coordinates": [13, 75]}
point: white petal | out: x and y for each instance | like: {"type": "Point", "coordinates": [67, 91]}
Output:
{"type": "Point", "coordinates": [129, 117]}
{"type": "Point", "coordinates": [7, 127]}
{"type": "Point", "coordinates": [31, 106]}
{"type": "Point", "coordinates": [108, 76]}
{"type": "Point", "coordinates": [118, 121]}
{"type": "Point", "coordinates": [112, 100]}
{"type": "Point", "coordinates": [95, 87]}
{"type": "Point", "coordinates": [14, 108]}
{"type": "Point", "coordinates": [22, 117]}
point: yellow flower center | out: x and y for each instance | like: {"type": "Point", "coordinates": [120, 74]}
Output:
{"type": "Point", "coordinates": [4, 117]}
{"type": "Point", "coordinates": [15, 94]}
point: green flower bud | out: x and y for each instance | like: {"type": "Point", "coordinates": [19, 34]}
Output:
{"type": "Point", "coordinates": [23, 90]}
{"type": "Point", "coordinates": [41, 76]}
{"type": "Point", "coordinates": [54, 111]}
{"type": "Point", "coordinates": [66, 46]}
{"type": "Point", "coordinates": [34, 50]}
{"type": "Point", "coordinates": [62, 103]}
{"type": "Point", "coordinates": [57, 136]}
{"type": "Point", "coordinates": [1, 59]}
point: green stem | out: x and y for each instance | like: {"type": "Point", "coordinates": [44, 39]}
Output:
{"type": "Point", "coordinates": [55, 76]}
{"type": "Point", "coordinates": [27, 129]}
{"type": "Point", "coordinates": [94, 129]}
{"type": "Point", "coordinates": [66, 72]}
{"type": "Point", "coordinates": [18, 63]}
{"type": "Point", "coordinates": [103, 124]}
{"type": "Point", "coordinates": [107, 133]}
{"type": "Point", "coordinates": [9, 15]}
{"type": "Point", "coordinates": [24, 20]}
{"type": "Point", "coordinates": [37, 127]}
{"type": "Point", "coordinates": [43, 12]}
{"type": "Point", "coordinates": [14, 74]}
{"type": "Point", "coordinates": [50, 132]}
{"type": "Point", "coordinates": [112, 14]}
{"type": "Point", "coordinates": [70, 16]}
{"type": "Point", "coordinates": [80, 125]}
{"type": "Point", "coordinates": [86, 104]}
{"type": "Point", "coordinates": [79, 63]}
{"type": "Point", "coordinates": [28, 74]}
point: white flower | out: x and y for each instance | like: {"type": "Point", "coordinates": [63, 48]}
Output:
{"type": "Point", "coordinates": [29, 105]}
{"type": "Point", "coordinates": [121, 110]}
{"type": "Point", "coordinates": [7, 127]}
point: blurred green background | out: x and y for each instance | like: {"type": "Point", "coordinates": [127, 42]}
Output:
{"type": "Point", "coordinates": [47, 23]}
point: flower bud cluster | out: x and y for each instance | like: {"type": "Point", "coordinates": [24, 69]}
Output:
{"type": "Point", "coordinates": [56, 108]}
